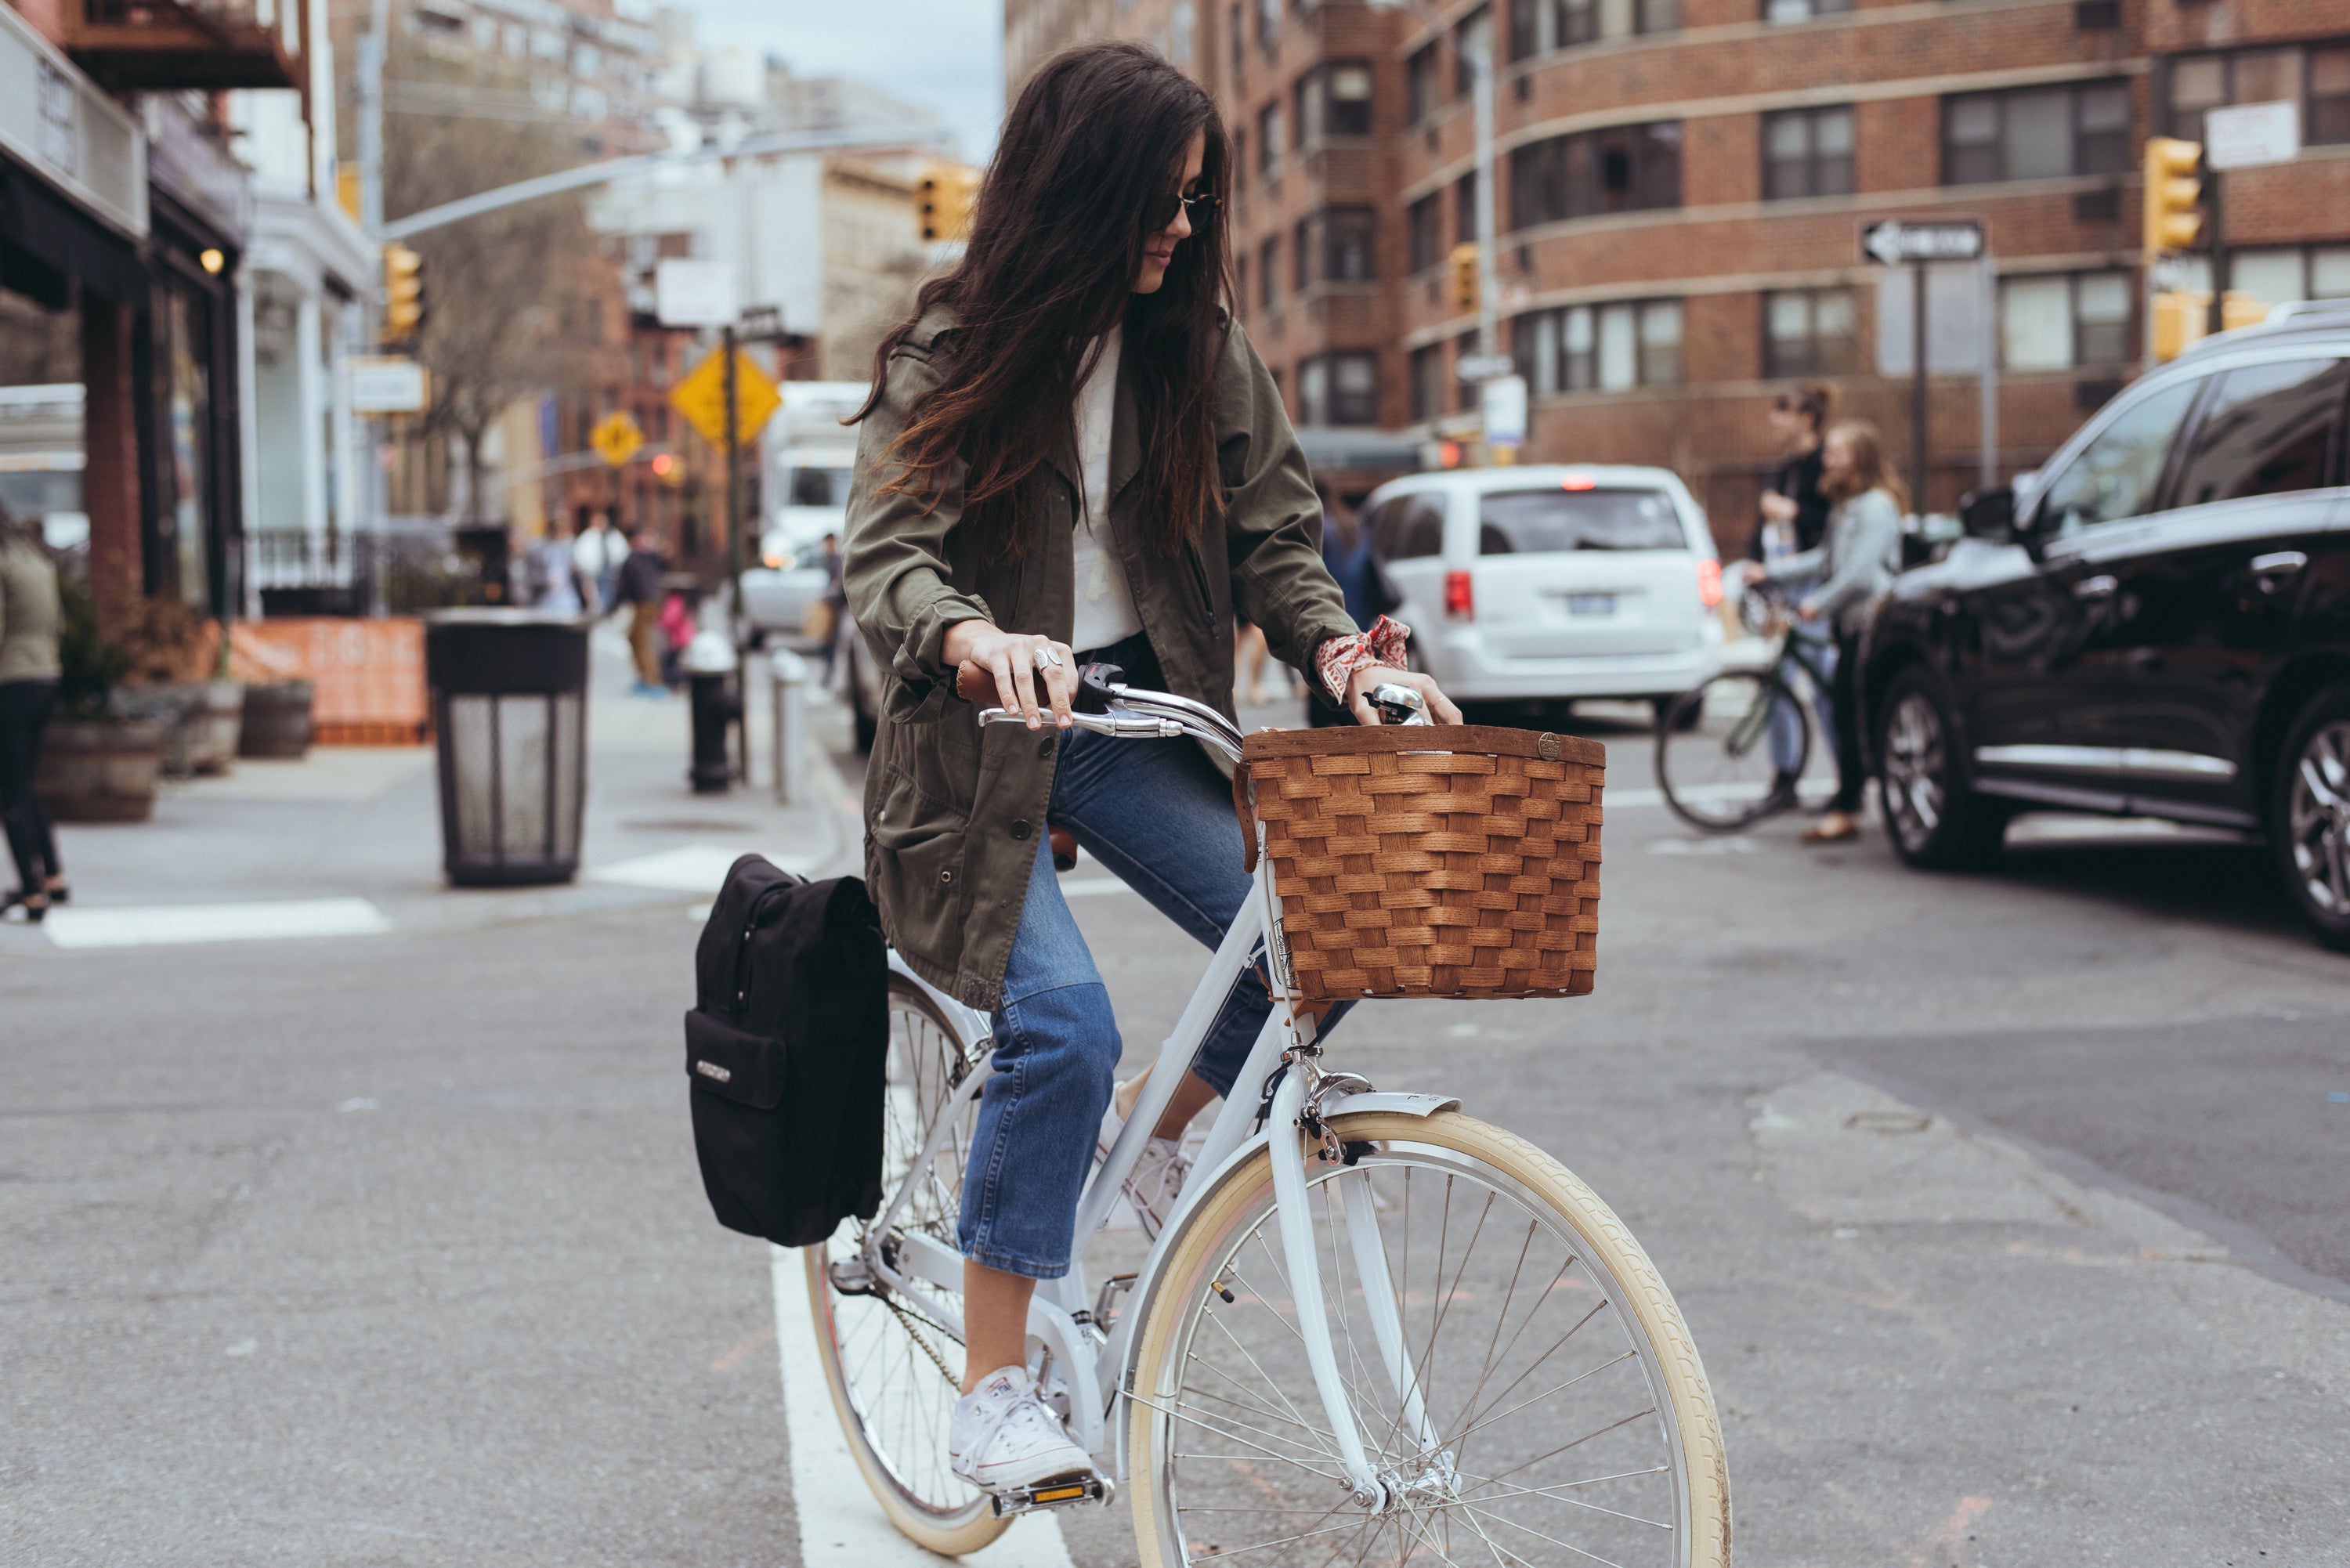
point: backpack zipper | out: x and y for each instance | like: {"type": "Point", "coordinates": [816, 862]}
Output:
{"type": "Point", "coordinates": [743, 952]}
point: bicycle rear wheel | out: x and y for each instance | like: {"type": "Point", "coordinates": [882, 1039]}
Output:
{"type": "Point", "coordinates": [1714, 750]}
{"type": "Point", "coordinates": [895, 1373]}
{"type": "Point", "coordinates": [1554, 1410]}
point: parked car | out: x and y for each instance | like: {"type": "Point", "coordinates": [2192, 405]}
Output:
{"type": "Point", "coordinates": [777, 593]}
{"type": "Point", "coordinates": [2157, 622]}
{"type": "Point", "coordinates": [1530, 588]}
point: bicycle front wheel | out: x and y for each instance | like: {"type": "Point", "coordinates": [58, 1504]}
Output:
{"type": "Point", "coordinates": [1520, 1375]}
{"type": "Point", "coordinates": [1723, 749]}
{"type": "Point", "coordinates": [894, 1372]}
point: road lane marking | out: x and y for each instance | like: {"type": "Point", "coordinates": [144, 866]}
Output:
{"type": "Point", "coordinates": [176, 924]}
{"type": "Point", "coordinates": [840, 1524]}
{"type": "Point", "coordinates": [689, 868]}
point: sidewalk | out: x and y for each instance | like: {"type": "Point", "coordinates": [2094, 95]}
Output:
{"type": "Point", "coordinates": [347, 841]}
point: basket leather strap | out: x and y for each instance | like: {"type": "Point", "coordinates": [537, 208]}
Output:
{"type": "Point", "coordinates": [1248, 818]}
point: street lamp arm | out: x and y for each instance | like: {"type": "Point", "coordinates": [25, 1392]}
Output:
{"type": "Point", "coordinates": [613, 169]}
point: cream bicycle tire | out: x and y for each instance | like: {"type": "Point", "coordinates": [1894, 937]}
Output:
{"type": "Point", "coordinates": [1676, 1375]}
{"type": "Point", "coordinates": [950, 1531]}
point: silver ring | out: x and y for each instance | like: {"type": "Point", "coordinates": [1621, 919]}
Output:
{"type": "Point", "coordinates": [1048, 658]}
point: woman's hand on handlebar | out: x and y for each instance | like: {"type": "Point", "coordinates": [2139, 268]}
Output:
{"type": "Point", "coordinates": [985, 651]}
{"type": "Point", "coordinates": [1363, 681]}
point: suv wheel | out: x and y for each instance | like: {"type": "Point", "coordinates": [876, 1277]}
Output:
{"type": "Point", "coordinates": [1935, 820]}
{"type": "Point", "coordinates": [2310, 816]}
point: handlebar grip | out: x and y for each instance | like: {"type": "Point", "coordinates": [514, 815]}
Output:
{"type": "Point", "coordinates": [974, 682]}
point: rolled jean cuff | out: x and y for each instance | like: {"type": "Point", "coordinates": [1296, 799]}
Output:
{"type": "Point", "coordinates": [1011, 1264]}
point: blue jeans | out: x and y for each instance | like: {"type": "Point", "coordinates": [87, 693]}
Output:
{"type": "Point", "coordinates": [1786, 731]}
{"type": "Point", "coordinates": [1160, 815]}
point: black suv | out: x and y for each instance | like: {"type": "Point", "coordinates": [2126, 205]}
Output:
{"type": "Point", "coordinates": [2157, 622]}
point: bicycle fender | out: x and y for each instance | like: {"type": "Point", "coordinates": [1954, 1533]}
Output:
{"type": "Point", "coordinates": [1392, 1100]}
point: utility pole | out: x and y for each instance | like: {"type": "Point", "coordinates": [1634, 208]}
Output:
{"type": "Point", "coordinates": [374, 44]}
{"type": "Point", "coordinates": [2215, 185]}
{"type": "Point", "coordinates": [1917, 385]}
{"type": "Point", "coordinates": [734, 550]}
{"type": "Point", "coordinates": [1488, 269]}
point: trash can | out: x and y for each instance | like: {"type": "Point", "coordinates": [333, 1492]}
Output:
{"type": "Point", "coordinates": [509, 711]}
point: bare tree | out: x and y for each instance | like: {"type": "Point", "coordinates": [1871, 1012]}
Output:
{"type": "Point", "coordinates": [504, 293]}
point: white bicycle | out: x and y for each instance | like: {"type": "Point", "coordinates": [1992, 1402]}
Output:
{"type": "Point", "coordinates": [1373, 1331]}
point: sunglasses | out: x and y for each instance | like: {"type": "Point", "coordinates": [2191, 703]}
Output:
{"type": "Point", "coordinates": [1198, 208]}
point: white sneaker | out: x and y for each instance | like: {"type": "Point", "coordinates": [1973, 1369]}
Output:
{"type": "Point", "coordinates": [1157, 1180]}
{"type": "Point", "coordinates": [1003, 1436]}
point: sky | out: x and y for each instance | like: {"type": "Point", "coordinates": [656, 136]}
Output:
{"type": "Point", "coordinates": [944, 55]}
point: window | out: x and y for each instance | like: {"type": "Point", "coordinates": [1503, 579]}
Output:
{"type": "Point", "coordinates": [1802, 10]}
{"type": "Point", "coordinates": [1233, 25]}
{"type": "Point", "coordinates": [1301, 255]}
{"type": "Point", "coordinates": [1240, 158]}
{"type": "Point", "coordinates": [2317, 78]}
{"type": "Point", "coordinates": [1809, 332]}
{"type": "Point", "coordinates": [1268, 273]}
{"type": "Point", "coordinates": [1305, 101]}
{"type": "Point", "coordinates": [1471, 35]}
{"type": "Point", "coordinates": [2279, 274]}
{"type": "Point", "coordinates": [1627, 168]}
{"type": "Point", "coordinates": [1427, 221]}
{"type": "Point", "coordinates": [1525, 28]}
{"type": "Point", "coordinates": [1340, 388]}
{"type": "Point", "coordinates": [1338, 241]}
{"type": "Point", "coordinates": [1427, 382]}
{"type": "Point", "coordinates": [1405, 527]}
{"type": "Point", "coordinates": [1808, 153]}
{"type": "Point", "coordinates": [2264, 432]}
{"type": "Point", "coordinates": [1563, 23]}
{"type": "Point", "coordinates": [1423, 84]}
{"type": "Point", "coordinates": [2036, 134]}
{"type": "Point", "coordinates": [1334, 99]}
{"type": "Point", "coordinates": [1464, 209]}
{"type": "Point", "coordinates": [2114, 475]}
{"type": "Point", "coordinates": [1268, 140]}
{"type": "Point", "coordinates": [1268, 24]}
{"type": "Point", "coordinates": [1607, 348]}
{"type": "Point", "coordinates": [2061, 321]}
{"type": "Point", "coordinates": [1540, 522]}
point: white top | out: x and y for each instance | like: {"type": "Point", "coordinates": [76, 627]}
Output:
{"type": "Point", "coordinates": [1105, 604]}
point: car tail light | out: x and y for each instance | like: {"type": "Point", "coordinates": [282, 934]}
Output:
{"type": "Point", "coordinates": [1709, 583]}
{"type": "Point", "coordinates": [1460, 595]}
{"type": "Point", "coordinates": [1578, 481]}
{"type": "Point", "coordinates": [772, 559]}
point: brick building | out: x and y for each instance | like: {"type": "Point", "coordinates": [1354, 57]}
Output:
{"type": "Point", "coordinates": [1680, 186]}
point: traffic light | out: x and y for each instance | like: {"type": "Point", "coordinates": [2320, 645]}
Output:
{"type": "Point", "coordinates": [1464, 278]}
{"type": "Point", "coordinates": [404, 293]}
{"type": "Point", "coordinates": [2174, 185]}
{"type": "Point", "coordinates": [943, 199]}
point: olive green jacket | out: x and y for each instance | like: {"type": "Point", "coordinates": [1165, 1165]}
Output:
{"type": "Point", "coordinates": [28, 613]}
{"type": "Point", "coordinates": [952, 814]}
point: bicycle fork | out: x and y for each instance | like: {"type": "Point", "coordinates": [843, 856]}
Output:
{"type": "Point", "coordinates": [1371, 1488]}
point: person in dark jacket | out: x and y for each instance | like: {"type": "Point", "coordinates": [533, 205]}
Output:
{"type": "Point", "coordinates": [640, 588]}
{"type": "Point", "coordinates": [1072, 453]}
{"type": "Point", "coordinates": [29, 668]}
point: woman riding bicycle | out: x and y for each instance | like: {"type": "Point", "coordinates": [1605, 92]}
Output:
{"type": "Point", "coordinates": [1072, 453]}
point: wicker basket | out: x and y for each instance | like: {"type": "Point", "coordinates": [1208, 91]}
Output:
{"type": "Point", "coordinates": [1404, 869]}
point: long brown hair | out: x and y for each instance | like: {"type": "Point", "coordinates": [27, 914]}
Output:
{"type": "Point", "coordinates": [1869, 471]}
{"type": "Point", "coordinates": [1090, 156]}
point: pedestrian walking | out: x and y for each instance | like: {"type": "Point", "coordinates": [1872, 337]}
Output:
{"type": "Point", "coordinates": [590, 547]}
{"type": "Point", "coordinates": [679, 623]}
{"type": "Point", "coordinates": [1076, 382]}
{"type": "Point", "coordinates": [1855, 563]}
{"type": "Point", "coordinates": [1794, 517]}
{"type": "Point", "coordinates": [637, 584]}
{"type": "Point", "coordinates": [563, 589]}
{"type": "Point", "coordinates": [29, 668]}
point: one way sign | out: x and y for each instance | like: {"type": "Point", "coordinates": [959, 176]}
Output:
{"type": "Point", "coordinates": [1894, 242]}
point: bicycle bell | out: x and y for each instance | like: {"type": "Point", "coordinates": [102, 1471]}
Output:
{"type": "Point", "coordinates": [1399, 704]}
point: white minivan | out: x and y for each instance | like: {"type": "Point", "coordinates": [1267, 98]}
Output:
{"type": "Point", "coordinates": [1528, 588]}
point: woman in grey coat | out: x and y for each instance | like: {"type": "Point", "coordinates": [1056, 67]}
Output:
{"type": "Point", "coordinates": [28, 689]}
{"type": "Point", "coordinates": [1854, 564]}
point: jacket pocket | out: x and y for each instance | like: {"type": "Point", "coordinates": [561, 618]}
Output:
{"type": "Point", "coordinates": [1199, 571]}
{"type": "Point", "coordinates": [916, 864]}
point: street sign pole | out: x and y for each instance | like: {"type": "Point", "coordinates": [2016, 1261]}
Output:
{"type": "Point", "coordinates": [734, 513]}
{"type": "Point", "coordinates": [2215, 185]}
{"type": "Point", "coordinates": [1917, 385]}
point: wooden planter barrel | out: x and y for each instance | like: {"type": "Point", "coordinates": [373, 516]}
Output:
{"type": "Point", "coordinates": [100, 771]}
{"type": "Point", "coordinates": [214, 725]}
{"type": "Point", "coordinates": [278, 720]}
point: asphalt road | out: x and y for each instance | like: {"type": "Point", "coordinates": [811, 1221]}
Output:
{"type": "Point", "coordinates": [2005, 1209]}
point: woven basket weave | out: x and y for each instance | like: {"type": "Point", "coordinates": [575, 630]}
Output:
{"type": "Point", "coordinates": [1407, 870]}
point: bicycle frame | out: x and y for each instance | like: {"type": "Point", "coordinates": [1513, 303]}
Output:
{"type": "Point", "coordinates": [1095, 1363]}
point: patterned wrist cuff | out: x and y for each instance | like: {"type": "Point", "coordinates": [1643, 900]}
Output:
{"type": "Point", "coordinates": [1337, 659]}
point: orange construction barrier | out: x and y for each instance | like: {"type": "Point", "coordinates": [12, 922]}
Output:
{"type": "Point", "coordinates": [368, 674]}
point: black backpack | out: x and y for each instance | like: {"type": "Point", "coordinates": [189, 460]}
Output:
{"type": "Point", "coordinates": [786, 1050]}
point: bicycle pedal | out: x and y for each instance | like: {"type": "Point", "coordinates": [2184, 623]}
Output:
{"type": "Point", "coordinates": [1063, 1494]}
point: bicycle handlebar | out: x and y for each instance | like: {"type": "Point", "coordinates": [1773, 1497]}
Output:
{"type": "Point", "coordinates": [1132, 713]}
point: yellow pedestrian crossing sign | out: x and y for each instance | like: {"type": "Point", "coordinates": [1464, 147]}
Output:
{"type": "Point", "coordinates": [616, 438]}
{"type": "Point", "coordinates": [702, 398]}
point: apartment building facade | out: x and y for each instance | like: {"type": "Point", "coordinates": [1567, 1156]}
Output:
{"type": "Point", "coordinates": [1680, 188]}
